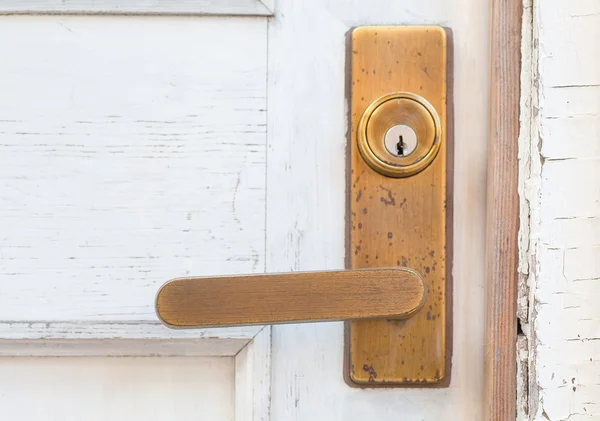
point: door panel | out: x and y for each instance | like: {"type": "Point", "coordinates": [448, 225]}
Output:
{"type": "Point", "coordinates": [118, 389]}
{"type": "Point", "coordinates": [133, 151]}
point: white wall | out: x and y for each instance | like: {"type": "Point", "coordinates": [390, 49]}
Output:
{"type": "Point", "coordinates": [561, 212]}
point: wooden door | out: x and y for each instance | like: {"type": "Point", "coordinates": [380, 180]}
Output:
{"type": "Point", "coordinates": [161, 139]}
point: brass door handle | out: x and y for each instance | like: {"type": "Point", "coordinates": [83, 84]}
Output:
{"type": "Point", "coordinates": [290, 298]}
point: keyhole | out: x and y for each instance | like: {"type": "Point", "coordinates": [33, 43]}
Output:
{"type": "Point", "coordinates": [400, 140]}
{"type": "Point", "coordinates": [400, 146]}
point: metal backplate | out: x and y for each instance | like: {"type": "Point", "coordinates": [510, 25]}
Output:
{"type": "Point", "coordinates": [400, 221]}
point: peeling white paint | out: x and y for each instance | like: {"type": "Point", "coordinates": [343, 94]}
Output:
{"type": "Point", "coordinates": [560, 216]}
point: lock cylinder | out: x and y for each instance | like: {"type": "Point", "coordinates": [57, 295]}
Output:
{"type": "Point", "coordinates": [399, 134]}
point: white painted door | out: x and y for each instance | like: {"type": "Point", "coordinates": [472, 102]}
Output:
{"type": "Point", "coordinates": [209, 139]}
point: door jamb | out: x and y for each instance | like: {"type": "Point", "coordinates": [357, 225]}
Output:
{"type": "Point", "coordinates": [502, 226]}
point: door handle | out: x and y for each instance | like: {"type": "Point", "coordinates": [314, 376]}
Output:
{"type": "Point", "coordinates": [223, 301]}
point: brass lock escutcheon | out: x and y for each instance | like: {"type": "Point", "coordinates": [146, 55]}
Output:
{"type": "Point", "coordinates": [399, 199]}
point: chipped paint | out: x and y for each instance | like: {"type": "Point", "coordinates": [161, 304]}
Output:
{"type": "Point", "coordinates": [560, 212]}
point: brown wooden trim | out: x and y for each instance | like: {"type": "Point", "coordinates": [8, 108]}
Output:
{"type": "Point", "coordinates": [503, 211]}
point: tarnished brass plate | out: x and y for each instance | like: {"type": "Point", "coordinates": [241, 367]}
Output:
{"type": "Point", "coordinates": [400, 221]}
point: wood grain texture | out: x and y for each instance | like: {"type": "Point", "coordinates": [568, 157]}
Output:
{"type": "Point", "coordinates": [290, 298]}
{"type": "Point", "coordinates": [402, 221]}
{"type": "Point", "coordinates": [129, 157]}
{"type": "Point", "coordinates": [137, 7]}
{"type": "Point", "coordinates": [503, 212]}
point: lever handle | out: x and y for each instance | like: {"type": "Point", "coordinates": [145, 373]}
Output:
{"type": "Point", "coordinates": [290, 298]}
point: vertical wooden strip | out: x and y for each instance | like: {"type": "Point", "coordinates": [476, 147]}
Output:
{"type": "Point", "coordinates": [503, 211]}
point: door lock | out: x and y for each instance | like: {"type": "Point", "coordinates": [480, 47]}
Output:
{"type": "Point", "coordinates": [399, 134]}
{"type": "Point", "coordinates": [397, 324]}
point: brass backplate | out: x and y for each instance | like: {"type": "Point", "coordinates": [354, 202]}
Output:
{"type": "Point", "coordinates": [400, 221]}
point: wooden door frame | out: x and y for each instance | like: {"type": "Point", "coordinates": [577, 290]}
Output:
{"type": "Point", "coordinates": [502, 227]}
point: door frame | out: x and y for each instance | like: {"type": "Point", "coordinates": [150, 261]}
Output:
{"type": "Point", "coordinates": [502, 226]}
